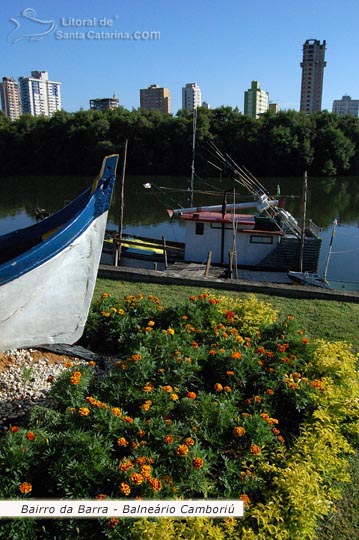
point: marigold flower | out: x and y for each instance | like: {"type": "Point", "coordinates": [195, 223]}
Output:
{"type": "Point", "coordinates": [184, 317]}
{"type": "Point", "coordinates": [227, 389]}
{"type": "Point", "coordinates": [189, 441]}
{"type": "Point", "coordinates": [238, 431]}
{"type": "Point", "coordinates": [182, 450]}
{"type": "Point", "coordinates": [246, 500]}
{"type": "Point", "coordinates": [305, 341]}
{"type": "Point", "coordinates": [155, 484]}
{"type": "Point", "coordinates": [197, 463]}
{"type": "Point", "coordinates": [75, 377]}
{"type": "Point", "coordinates": [30, 435]}
{"type": "Point", "coordinates": [122, 441]}
{"type": "Point", "coordinates": [136, 357]}
{"type": "Point", "coordinates": [105, 295]}
{"type": "Point", "coordinates": [14, 429]}
{"type": "Point", "coordinates": [136, 478]}
{"type": "Point", "coordinates": [92, 363]}
{"type": "Point", "coordinates": [257, 399]}
{"type": "Point", "coordinates": [125, 488]}
{"type": "Point", "coordinates": [84, 411]}
{"type": "Point", "coordinates": [170, 331]}
{"type": "Point", "coordinates": [195, 344]}
{"type": "Point", "coordinates": [68, 364]}
{"type": "Point", "coordinates": [112, 522]}
{"type": "Point", "coordinates": [146, 471]}
{"type": "Point", "coordinates": [148, 387]}
{"type": "Point", "coordinates": [230, 373]}
{"type": "Point", "coordinates": [229, 315]}
{"type": "Point", "coordinates": [121, 311]}
{"type": "Point", "coordinates": [101, 497]}
{"type": "Point", "coordinates": [146, 405]}
{"type": "Point", "coordinates": [128, 419]}
{"type": "Point", "coordinates": [168, 439]}
{"type": "Point", "coordinates": [167, 388]}
{"type": "Point", "coordinates": [141, 433]}
{"type": "Point", "coordinates": [125, 465]}
{"type": "Point", "coordinates": [218, 387]}
{"type": "Point", "coordinates": [236, 355]}
{"type": "Point", "coordinates": [275, 431]}
{"type": "Point", "coordinates": [270, 391]}
{"type": "Point", "coordinates": [254, 449]}
{"type": "Point", "coordinates": [281, 439]}
{"type": "Point", "coordinates": [116, 411]}
{"type": "Point", "coordinates": [25, 488]}
{"type": "Point", "coordinates": [260, 350]}
{"type": "Point", "coordinates": [191, 395]}
{"type": "Point", "coordinates": [174, 397]}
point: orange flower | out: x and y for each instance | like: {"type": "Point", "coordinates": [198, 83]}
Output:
{"type": "Point", "coordinates": [136, 357]}
{"type": "Point", "coordinates": [260, 350]}
{"type": "Point", "coordinates": [122, 441]}
{"type": "Point", "coordinates": [305, 341]}
{"type": "Point", "coordinates": [280, 439]}
{"type": "Point", "coordinates": [84, 411]}
{"type": "Point", "coordinates": [197, 463]}
{"type": "Point", "coordinates": [101, 497]}
{"type": "Point", "coordinates": [189, 441]}
{"type": "Point", "coordinates": [239, 431]}
{"type": "Point", "coordinates": [146, 405]}
{"type": "Point", "coordinates": [128, 419]}
{"type": "Point", "coordinates": [125, 465]}
{"type": "Point", "coordinates": [195, 344]}
{"type": "Point", "coordinates": [254, 449]}
{"type": "Point", "coordinates": [167, 388]}
{"type": "Point", "coordinates": [155, 484]}
{"type": "Point", "coordinates": [257, 399]}
{"type": "Point", "coordinates": [218, 387]}
{"type": "Point", "coordinates": [136, 478]}
{"type": "Point", "coordinates": [146, 471]}
{"type": "Point", "coordinates": [14, 429]}
{"type": "Point", "coordinates": [174, 397]}
{"type": "Point", "coordinates": [148, 387]}
{"type": "Point", "coordinates": [236, 355]}
{"type": "Point", "coordinates": [25, 488]}
{"type": "Point", "coordinates": [168, 439]}
{"type": "Point", "coordinates": [246, 500]}
{"type": "Point", "coordinates": [230, 373]}
{"type": "Point", "coordinates": [30, 435]}
{"type": "Point", "coordinates": [270, 391]}
{"type": "Point", "coordinates": [112, 522]}
{"type": "Point", "coordinates": [125, 488]}
{"type": "Point", "coordinates": [182, 450]}
{"type": "Point", "coordinates": [92, 363]}
{"type": "Point", "coordinates": [75, 377]}
{"type": "Point", "coordinates": [191, 395]}
{"type": "Point", "coordinates": [116, 411]}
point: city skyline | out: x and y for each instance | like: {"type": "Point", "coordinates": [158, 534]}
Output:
{"type": "Point", "coordinates": [221, 47]}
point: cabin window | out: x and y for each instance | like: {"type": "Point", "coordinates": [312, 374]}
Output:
{"type": "Point", "coordinates": [199, 228]}
{"type": "Point", "coordinates": [256, 239]}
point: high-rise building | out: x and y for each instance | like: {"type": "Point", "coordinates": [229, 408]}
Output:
{"type": "Point", "coordinates": [256, 101]}
{"type": "Point", "coordinates": [39, 96]}
{"type": "Point", "coordinates": [313, 65]}
{"type": "Point", "coordinates": [346, 105]}
{"type": "Point", "coordinates": [10, 98]}
{"type": "Point", "coordinates": [102, 104]}
{"type": "Point", "coordinates": [155, 98]}
{"type": "Point", "coordinates": [191, 96]}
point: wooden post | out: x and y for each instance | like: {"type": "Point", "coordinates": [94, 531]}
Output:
{"type": "Point", "coordinates": [302, 240]}
{"type": "Point", "coordinates": [208, 263]}
{"type": "Point", "coordinates": [164, 251]}
{"type": "Point", "coordinates": [230, 257]}
{"type": "Point", "coordinates": [122, 205]}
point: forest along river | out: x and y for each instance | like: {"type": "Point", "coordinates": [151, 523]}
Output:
{"type": "Point", "coordinates": [145, 209]}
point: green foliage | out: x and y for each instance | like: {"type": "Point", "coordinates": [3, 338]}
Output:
{"type": "Point", "coordinates": [286, 143]}
{"type": "Point", "coordinates": [213, 398]}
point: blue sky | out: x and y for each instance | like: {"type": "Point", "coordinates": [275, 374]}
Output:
{"type": "Point", "coordinates": [222, 45]}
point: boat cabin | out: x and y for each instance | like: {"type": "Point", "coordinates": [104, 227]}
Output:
{"type": "Point", "coordinates": [255, 237]}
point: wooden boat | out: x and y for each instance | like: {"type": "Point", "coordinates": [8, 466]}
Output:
{"type": "Point", "coordinates": [48, 270]}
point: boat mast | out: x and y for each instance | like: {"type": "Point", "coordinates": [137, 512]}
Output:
{"type": "Point", "coordinates": [302, 239]}
{"type": "Point", "coordinates": [193, 154]}
{"type": "Point", "coordinates": [122, 204]}
{"type": "Point", "coordinates": [335, 222]}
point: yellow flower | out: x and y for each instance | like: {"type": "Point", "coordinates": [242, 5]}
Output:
{"type": "Point", "coordinates": [151, 323]}
{"type": "Point", "coordinates": [116, 411]}
{"type": "Point", "coordinates": [84, 411]}
{"type": "Point", "coordinates": [136, 478]}
{"type": "Point", "coordinates": [155, 484]}
{"type": "Point", "coordinates": [174, 397]}
{"type": "Point", "coordinates": [182, 450]}
{"type": "Point", "coordinates": [122, 441]}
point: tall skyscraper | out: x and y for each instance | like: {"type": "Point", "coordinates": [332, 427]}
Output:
{"type": "Point", "coordinates": [191, 96]}
{"type": "Point", "coordinates": [256, 101]}
{"type": "Point", "coordinates": [10, 98]}
{"type": "Point", "coordinates": [345, 106]}
{"type": "Point", "coordinates": [155, 98]}
{"type": "Point", "coordinates": [313, 65]}
{"type": "Point", "coordinates": [39, 96]}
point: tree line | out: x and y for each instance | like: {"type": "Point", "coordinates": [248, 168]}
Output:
{"type": "Point", "coordinates": [286, 143]}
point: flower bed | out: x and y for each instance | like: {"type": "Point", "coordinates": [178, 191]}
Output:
{"type": "Point", "coordinates": [215, 398]}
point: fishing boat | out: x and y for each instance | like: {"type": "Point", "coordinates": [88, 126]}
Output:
{"type": "Point", "coordinates": [48, 270]}
{"type": "Point", "coordinates": [268, 238]}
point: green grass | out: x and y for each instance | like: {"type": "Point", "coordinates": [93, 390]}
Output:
{"type": "Point", "coordinates": [324, 319]}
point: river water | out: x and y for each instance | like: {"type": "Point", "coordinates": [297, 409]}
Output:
{"type": "Point", "coordinates": [145, 209]}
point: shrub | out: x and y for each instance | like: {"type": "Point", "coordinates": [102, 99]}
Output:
{"type": "Point", "coordinates": [211, 399]}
